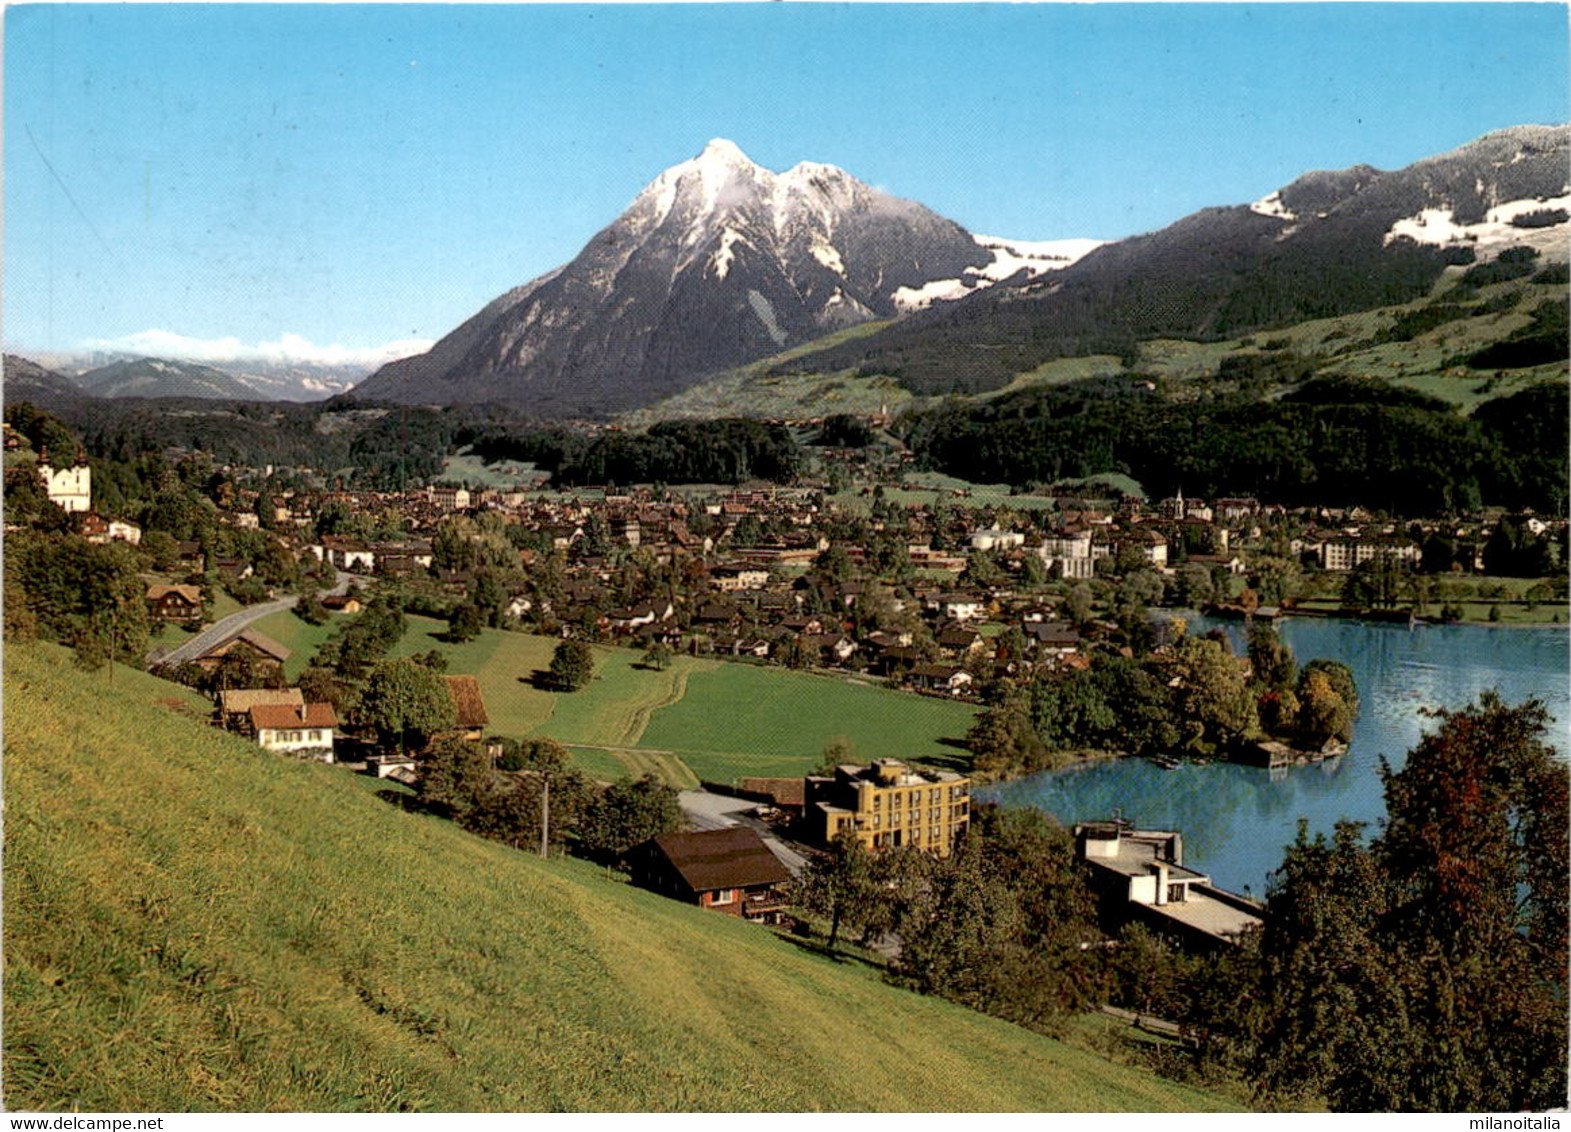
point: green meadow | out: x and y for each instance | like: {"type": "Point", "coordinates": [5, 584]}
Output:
{"type": "Point", "coordinates": [192, 925]}
{"type": "Point", "coordinates": [739, 719]}
{"type": "Point", "coordinates": [696, 719]}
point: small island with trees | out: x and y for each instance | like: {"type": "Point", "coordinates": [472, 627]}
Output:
{"type": "Point", "coordinates": [1190, 698]}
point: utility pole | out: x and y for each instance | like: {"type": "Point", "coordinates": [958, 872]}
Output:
{"type": "Point", "coordinates": [545, 815]}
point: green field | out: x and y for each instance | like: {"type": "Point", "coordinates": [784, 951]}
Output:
{"type": "Point", "coordinates": [191, 924]}
{"type": "Point", "coordinates": [737, 719]}
{"type": "Point", "coordinates": [718, 719]}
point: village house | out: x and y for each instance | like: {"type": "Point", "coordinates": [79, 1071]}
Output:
{"type": "Point", "coordinates": [1054, 640]}
{"type": "Point", "coordinates": [266, 655]}
{"type": "Point", "coordinates": [469, 715]}
{"type": "Point", "coordinates": [886, 804]}
{"type": "Point", "coordinates": [946, 679]}
{"type": "Point", "coordinates": [727, 870]}
{"type": "Point", "coordinates": [288, 729]}
{"type": "Point", "coordinates": [734, 577]}
{"type": "Point", "coordinates": [174, 602]}
{"type": "Point", "coordinates": [960, 607]}
{"type": "Point", "coordinates": [341, 603]}
{"type": "Point", "coordinates": [235, 704]}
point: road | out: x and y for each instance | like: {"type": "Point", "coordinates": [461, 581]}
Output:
{"type": "Point", "coordinates": [720, 811]}
{"type": "Point", "coordinates": [223, 629]}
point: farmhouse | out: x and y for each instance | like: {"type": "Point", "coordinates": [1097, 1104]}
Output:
{"type": "Point", "coordinates": [470, 717]}
{"type": "Point", "coordinates": [235, 704]}
{"type": "Point", "coordinates": [266, 655]}
{"type": "Point", "coordinates": [174, 603]}
{"type": "Point", "coordinates": [729, 870]}
{"type": "Point", "coordinates": [293, 730]}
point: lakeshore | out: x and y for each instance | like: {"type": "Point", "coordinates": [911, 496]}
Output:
{"type": "Point", "coordinates": [1236, 819]}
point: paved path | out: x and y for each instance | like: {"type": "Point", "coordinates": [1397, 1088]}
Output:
{"type": "Point", "coordinates": [222, 630]}
{"type": "Point", "coordinates": [721, 811]}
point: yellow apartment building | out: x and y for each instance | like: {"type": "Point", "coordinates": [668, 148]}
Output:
{"type": "Point", "coordinates": [887, 804]}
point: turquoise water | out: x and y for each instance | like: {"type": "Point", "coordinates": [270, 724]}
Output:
{"type": "Point", "coordinates": [1236, 820]}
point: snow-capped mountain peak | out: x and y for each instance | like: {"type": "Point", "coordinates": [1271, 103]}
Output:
{"type": "Point", "coordinates": [717, 262]}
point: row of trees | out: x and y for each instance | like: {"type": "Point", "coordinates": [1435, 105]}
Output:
{"type": "Point", "coordinates": [719, 451]}
{"type": "Point", "coordinates": [531, 792]}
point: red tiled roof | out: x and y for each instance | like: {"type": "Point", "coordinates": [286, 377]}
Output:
{"type": "Point", "coordinates": [283, 717]}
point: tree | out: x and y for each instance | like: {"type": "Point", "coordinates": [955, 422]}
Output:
{"type": "Point", "coordinates": [625, 815]}
{"type": "Point", "coordinates": [406, 703]}
{"type": "Point", "coordinates": [1275, 579]}
{"type": "Point", "coordinates": [1216, 708]}
{"type": "Point", "coordinates": [572, 665]}
{"type": "Point", "coordinates": [1001, 924]}
{"type": "Point", "coordinates": [1375, 584]}
{"type": "Point", "coordinates": [839, 884]}
{"type": "Point", "coordinates": [1271, 658]}
{"type": "Point", "coordinates": [465, 623]}
{"type": "Point", "coordinates": [1077, 603]}
{"type": "Point", "coordinates": [309, 607]}
{"type": "Point", "coordinates": [1428, 971]}
{"type": "Point", "coordinates": [1002, 740]}
{"type": "Point", "coordinates": [1192, 585]}
{"type": "Point", "coordinates": [838, 750]}
{"type": "Point", "coordinates": [657, 656]}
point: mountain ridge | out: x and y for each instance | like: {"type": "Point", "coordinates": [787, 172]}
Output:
{"type": "Point", "coordinates": [1327, 244]}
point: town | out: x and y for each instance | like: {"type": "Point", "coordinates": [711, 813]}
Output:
{"type": "Point", "coordinates": [862, 573]}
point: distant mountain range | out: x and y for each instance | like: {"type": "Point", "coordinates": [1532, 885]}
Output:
{"type": "Point", "coordinates": [719, 263]}
{"type": "Point", "coordinates": [26, 380]}
{"type": "Point", "coordinates": [1328, 244]}
{"type": "Point", "coordinates": [94, 376]}
{"type": "Point", "coordinates": [716, 263]}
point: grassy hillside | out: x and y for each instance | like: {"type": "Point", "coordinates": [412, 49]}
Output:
{"type": "Point", "coordinates": [718, 719]}
{"type": "Point", "coordinates": [193, 925]}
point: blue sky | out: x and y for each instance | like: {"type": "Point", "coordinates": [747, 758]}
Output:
{"type": "Point", "coordinates": [363, 174]}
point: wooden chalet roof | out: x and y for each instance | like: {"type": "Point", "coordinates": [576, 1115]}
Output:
{"type": "Point", "coordinates": [721, 858]}
{"type": "Point", "coordinates": [258, 640]}
{"type": "Point", "coordinates": [283, 717]}
{"type": "Point", "coordinates": [785, 791]}
{"type": "Point", "coordinates": [192, 595]}
{"type": "Point", "coordinates": [468, 701]}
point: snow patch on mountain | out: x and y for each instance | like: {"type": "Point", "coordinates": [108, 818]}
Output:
{"type": "Point", "coordinates": [765, 311]}
{"type": "Point", "coordinates": [1273, 207]}
{"type": "Point", "coordinates": [828, 256]}
{"type": "Point", "coordinates": [1010, 257]}
{"type": "Point", "coordinates": [721, 261]}
{"type": "Point", "coordinates": [1438, 226]}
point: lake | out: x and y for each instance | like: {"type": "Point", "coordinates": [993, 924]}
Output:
{"type": "Point", "coordinates": [1236, 820]}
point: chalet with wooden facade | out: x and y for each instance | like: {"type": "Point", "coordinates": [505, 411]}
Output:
{"type": "Point", "coordinates": [727, 870]}
{"type": "Point", "coordinates": [175, 603]}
